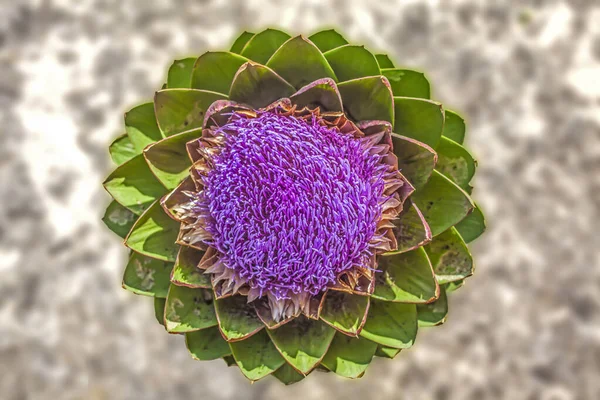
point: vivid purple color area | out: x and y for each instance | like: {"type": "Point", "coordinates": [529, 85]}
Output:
{"type": "Point", "coordinates": [292, 203]}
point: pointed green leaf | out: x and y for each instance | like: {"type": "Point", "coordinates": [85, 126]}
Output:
{"type": "Point", "coordinates": [302, 342]}
{"type": "Point", "coordinates": [207, 344]}
{"type": "Point", "coordinates": [406, 278]}
{"type": "Point", "coordinates": [189, 309]}
{"type": "Point", "coordinates": [147, 276]}
{"type": "Point", "coordinates": [408, 83]}
{"type": "Point", "coordinates": [384, 61]}
{"type": "Point", "coordinates": [455, 162]}
{"type": "Point", "coordinates": [240, 42]}
{"type": "Point", "coordinates": [298, 74]}
{"type": "Point", "coordinates": [411, 229]}
{"type": "Point", "coordinates": [119, 219]}
{"type": "Point", "coordinates": [349, 357]}
{"type": "Point", "coordinates": [322, 93]}
{"type": "Point", "coordinates": [256, 356]}
{"type": "Point", "coordinates": [180, 110]}
{"type": "Point", "coordinates": [433, 313]}
{"type": "Point", "coordinates": [133, 185]}
{"type": "Point", "coordinates": [288, 375]}
{"type": "Point", "coordinates": [419, 119]}
{"type": "Point", "coordinates": [186, 271]}
{"type": "Point", "coordinates": [391, 324]}
{"type": "Point", "coordinates": [262, 45]}
{"type": "Point", "coordinates": [141, 127]}
{"type": "Point", "coordinates": [453, 286]}
{"type": "Point", "coordinates": [454, 127]}
{"type": "Point", "coordinates": [168, 159]}
{"type": "Point", "coordinates": [159, 310]}
{"type": "Point", "coordinates": [368, 98]}
{"type": "Point", "coordinates": [442, 203]}
{"type": "Point", "coordinates": [450, 257]}
{"type": "Point", "coordinates": [345, 312]}
{"type": "Point", "coordinates": [415, 159]}
{"type": "Point", "coordinates": [327, 40]}
{"type": "Point", "coordinates": [387, 352]}
{"type": "Point", "coordinates": [258, 86]}
{"type": "Point", "coordinates": [180, 73]}
{"type": "Point", "coordinates": [352, 62]}
{"type": "Point", "coordinates": [472, 226]}
{"type": "Point", "coordinates": [215, 71]}
{"type": "Point", "coordinates": [237, 319]}
{"type": "Point", "coordinates": [154, 234]}
{"type": "Point", "coordinates": [122, 150]}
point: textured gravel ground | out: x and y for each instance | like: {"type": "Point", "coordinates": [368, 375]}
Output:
{"type": "Point", "coordinates": [525, 73]}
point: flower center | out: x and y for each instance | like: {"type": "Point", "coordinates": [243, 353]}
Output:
{"type": "Point", "coordinates": [292, 203]}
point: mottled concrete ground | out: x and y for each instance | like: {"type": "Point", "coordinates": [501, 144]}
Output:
{"type": "Point", "coordinates": [525, 73]}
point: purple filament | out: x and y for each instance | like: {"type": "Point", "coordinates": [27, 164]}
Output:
{"type": "Point", "coordinates": [292, 203]}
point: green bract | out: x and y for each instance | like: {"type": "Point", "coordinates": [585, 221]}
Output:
{"type": "Point", "coordinates": [371, 313]}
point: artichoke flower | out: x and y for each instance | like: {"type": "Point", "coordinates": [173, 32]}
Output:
{"type": "Point", "coordinates": [294, 204]}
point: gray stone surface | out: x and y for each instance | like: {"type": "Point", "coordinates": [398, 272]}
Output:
{"type": "Point", "coordinates": [525, 73]}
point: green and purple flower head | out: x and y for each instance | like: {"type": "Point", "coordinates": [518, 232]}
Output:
{"type": "Point", "coordinates": [294, 204]}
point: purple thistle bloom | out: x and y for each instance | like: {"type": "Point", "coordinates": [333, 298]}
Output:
{"type": "Point", "coordinates": [292, 204]}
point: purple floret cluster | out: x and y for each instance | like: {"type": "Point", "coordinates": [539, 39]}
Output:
{"type": "Point", "coordinates": [292, 203]}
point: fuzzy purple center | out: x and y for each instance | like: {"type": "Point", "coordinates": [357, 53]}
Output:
{"type": "Point", "coordinates": [292, 203]}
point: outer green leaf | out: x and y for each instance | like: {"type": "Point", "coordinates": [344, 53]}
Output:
{"type": "Point", "coordinates": [312, 67]}
{"type": "Point", "coordinates": [349, 357]}
{"type": "Point", "coordinates": [141, 127]}
{"type": "Point", "coordinates": [168, 158]}
{"type": "Point", "coordinates": [180, 110]}
{"type": "Point", "coordinates": [406, 278]}
{"type": "Point", "coordinates": [180, 73]}
{"type": "Point", "coordinates": [215, 71]}
{"type": "Point", "coordinates": [302, 342]}
{"type": "Point", "coordinates": [322, 93]}
{"type": "Point", "coordinates": [241, 41]}
{"type": "Point", "coordinates": [207, 344]}
{"type": "Point", "coordinates": [186, 271]}
{"type": "Point", "coordinates": [147, 276]}
{"type": "Point", "coordinates": [391, 324]}
{"type": "Point", "coordinates": [384, 61]}
{"type": "Point", "coordinates": [345, 312]}
{"type": "Point", "coordinates": [387, 352]}
{"type": "Point", "coordinates": [411, 229]}
{"type": "Point", "coordinates": [433, 313]}
{"type": "Point", "coordinates": [352, 62]}
{"type": "Point", "coordinates": [154, 234]}
{"type": "Point", "coordinates": [419, 119]}
{"type": "Point", "coordinates": [229, 360]}
{"type": "Point", "coordinates": [442, 203]}
{"type": "Point", "coordinates": [256, 356]}
{"type": "Point", "coordinates": [472, 226]}
{"type": "Point", "coordinates": [237, 319]}
{"type": "Point", "coordinates": [450, 257]}
{"type": "Point", "coordinates": [122, 150]}
{"type": "Point", "coordinates": [415, 159]}
{"type": "Point", "coordinates": [262, 45]}
{"type": "Point", "coordinates": [288, 375]}
{"type": "Point", "coordinates": [368, 98]}
{"type": "Point", "coordinates": [159, 310]}
{"type": "Point", "coordinates": [327, 40]}
{"type": "Point", "coordinates": [189, 309]}
{"type": "Point", "coordinates": [258, 86]}
{"type": "Point", "coordinates": [133, 185]}
{"type": "Point", "coordinates": [408, 83]}
{"type": "Point", "coordinates": [455, 162]}
{"type": "Point", "coordinates": [119, 219]}
{"type": "Point", "coordinates": [454, 127]}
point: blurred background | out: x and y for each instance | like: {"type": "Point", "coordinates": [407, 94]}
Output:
{"type": "Point", "coordinates": [526, 75]}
